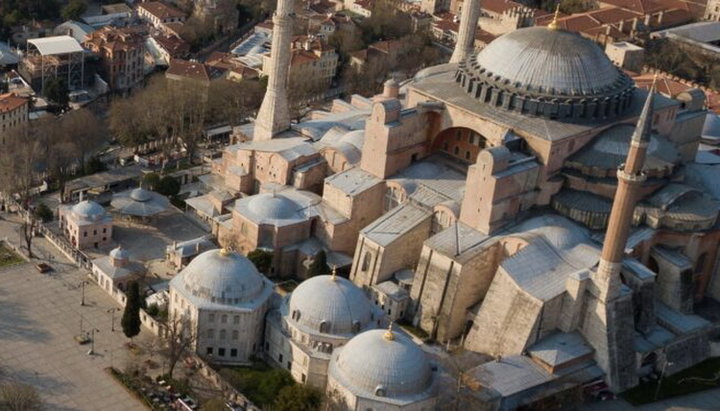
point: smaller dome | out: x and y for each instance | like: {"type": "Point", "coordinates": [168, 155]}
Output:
{"type": "Point", "coordinates": [120, 253]}
{"type": "Point", "coordinates": [272, 206]}
{"type": "Point", "coordinates": [373, 365]}
{"type": "Point", "coordinates": [88, 209]}
{"type": "Point", "coordinates": [140, 194]}
{"type": "Point", "coordinates": [222, 277]}
{"type": "Point", "coordinates": [331, 306]}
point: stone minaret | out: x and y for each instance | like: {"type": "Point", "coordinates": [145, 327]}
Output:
{"type": "Point", "coordinates": [630, 178]}
{"type": "Point", "coordinates": [609, 324]}
{"type": "Point", "coordinates": [274, 116]}
{"type": "Point", "coordinates": [466, 34]}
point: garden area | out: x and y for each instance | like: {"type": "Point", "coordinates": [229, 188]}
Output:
{"type": "Point", "coordinates": [269, 387]}
{"type": "Point", "coordinates": [700, 377]}
{"type": "Point", "coordinates": [161, 394]}
{"type": "Point", "coordinates": [8, 256]}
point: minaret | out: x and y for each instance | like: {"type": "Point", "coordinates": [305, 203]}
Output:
{"type": "Point", "coordinates": [274, 116]}
{"type": "Point", "coordinates": [630, 178]}
{"type": "Point", "coordinates": [608, 322]}
{"type": "Point", "coordinates": [465, 44]}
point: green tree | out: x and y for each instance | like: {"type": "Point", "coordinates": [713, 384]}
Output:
{"type": "Point", "coordinates": [262, 259]}
{"type": "Point", "coordinates": [74, 9]}
{"type": "Point", "coordinates": [298, 397]}
{"type": "Point", "coordinates": [56, 91]}
{"type": "Point", "coordinates": [131, 316]}
{"type": "Point", "coordinates": [168, 186]}
{"type": "Point", "coordinates": [214, 404]}
{"type": "Point", "coordinates": [151, 181]}
{"type": "Point", "coordinates": [319, 265]}
{"type": "Point", "coordinates": [94, 165]}
{"type": "Point", "coordinates": [44, 213]}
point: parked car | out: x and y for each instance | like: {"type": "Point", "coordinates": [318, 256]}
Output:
{"type": "Point", "coordinates": [43, 268]}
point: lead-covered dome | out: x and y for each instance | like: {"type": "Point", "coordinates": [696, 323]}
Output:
{"type": "Point", "coordinates": [272, 206]}
{"type": "Point", "coordinates": [548, 73]}
{"type": "Point", "coordinates": [222, 277]}
{"type": "Point", "coordinates": [380, 363]}
{"type": "Point", "coordinates": [330, 305]}
{"type": "Point", "coordinates": [89, 210]}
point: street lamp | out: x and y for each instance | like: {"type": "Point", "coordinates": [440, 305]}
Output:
{"type": "Point", "coordinates": [92, 341]}
{"type": "Point", "coordinates": [82, 300]}
{"type": "Point", "coordinates": [112, 320]}
{"type": "Point", "coordinates": [662, 374]}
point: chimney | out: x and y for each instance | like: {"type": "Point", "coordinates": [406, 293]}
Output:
{"type": "Point", "coordinates": [391, 89]}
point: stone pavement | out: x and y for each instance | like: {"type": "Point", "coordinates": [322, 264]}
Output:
{"type": "Point", "coordinates": [39, 316]}
{"type": "Point", "coordinates": [705, 400]}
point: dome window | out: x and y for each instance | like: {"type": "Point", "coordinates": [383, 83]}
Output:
{"type": "Point", "coordinates": [296, 315]}
{"type": "Point", "coordinates": [355, 327]}
{"type": "Point", "coordinates": [324, 326]}
{"type": "Point", "coordinates": [380, 391]}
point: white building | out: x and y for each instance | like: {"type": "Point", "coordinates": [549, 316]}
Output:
{"type": "Point", "coordinates": [115, 270]}
{"type": "Point", "coordinates": [224, 299]}
{"type": "Point", "coordinates": [322, 314]}
{"type": "Point", "coordinates": [382, 370]}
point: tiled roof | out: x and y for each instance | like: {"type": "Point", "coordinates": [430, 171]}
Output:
{"type": "Point", "coordinates": [191, 70]}
{"type": "Point", "coordinates": [10, 102]}
{"type": "Point", "coordinates": [175, 46]}
{"type": "Point", "coordinates": [161, 10]}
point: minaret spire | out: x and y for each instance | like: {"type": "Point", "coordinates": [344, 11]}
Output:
{"type": "Point", "coordinates": [465, 44]}
{"type": "Point", "coordinates": [630, 178]}
{"type": "Point", "coordinates": [274, 116]}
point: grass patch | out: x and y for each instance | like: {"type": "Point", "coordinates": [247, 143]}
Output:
{"type": "Point", "coordinates": [178, 202]}
{"type": "Point", "coordinates": [260, 382]}
{"type": "Point", "coordinates": [700, 377]}
{"type": "Point", "coordinates": [414, 330]}
{"type": "Point", "coordinates": [8, 256]}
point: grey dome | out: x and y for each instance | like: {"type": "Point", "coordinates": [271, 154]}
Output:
{"type": "Point", "coordinates": [88, 209]}
{"type": "Point", "coordinates": [272, 206]}
{"type": "Point", "coordinates": [549, 73]}
{"type": "Point", "coordinates": [140, 194]}
{"type": "Point", "coordinates": [371, 365]}
{"type": "Point", "coordinates": [338, 303]}
{"type": "Point", "coordinates": [222, 278]}
{"type": "Point", "coordinates": [119, 253]}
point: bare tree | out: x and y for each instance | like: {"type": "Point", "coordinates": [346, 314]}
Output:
{"type": "Point", "coordinates": [85, 131]}
{"type": "Point", "coordinates": [179, 337]}
{"type": "Point", "coordinates": [15, 396]}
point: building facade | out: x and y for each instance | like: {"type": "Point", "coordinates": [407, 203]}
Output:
{"type": "Point", "coordinates": [86, 224]}
{"type": "Point", "coordinates": [13, 114]}
{"type": "Point", "coordinates": [122, 56]}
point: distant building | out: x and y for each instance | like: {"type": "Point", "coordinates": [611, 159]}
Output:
{"type": "Point", "coordinates": [221, 15]}
{"type": "Point", "coordinates": [86, 224]}
{"type": "Point", "coordinates": [313, 63]}
{"type": "Point", "coordinates": [122, 54]}
{"type": "Point", "coordinates": [74, 29]}
{"type": "Point", "coordinates": [57, 57]}
{"type": "Point", "coordinates": [192, 70]}
{"type": "Point", "coordinates": [13, 113]}
{"type": "Point", "coordinates": [158, 13]}
{"type": "Point", "coordinates": [626, 55]}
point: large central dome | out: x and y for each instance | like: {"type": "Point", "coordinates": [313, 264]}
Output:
{"type": "Point", "coordinates": [548, 73]}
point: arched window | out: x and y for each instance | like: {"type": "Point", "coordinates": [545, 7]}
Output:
{"type": "Point", "coordinates": [210, 333]}
{"type": "Point", "coordinates": [235, 334]}
{"type": "Point", "coordinates": [366, 261]}
{"type": "Point", "coordinates": [325, 327]}
{"type": "Point", "coordinates": [356, 327]}
{"type": "Point", "coordinates": [380, 391]}
{"type": "Point", "coordinates": [222, 334]}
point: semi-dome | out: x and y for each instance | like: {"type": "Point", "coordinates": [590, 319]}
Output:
{"type": "Point", "coordinates": [548, 73]}
{"type": "Point", "coordinates": [272, 206]}
{"type": "Point", "coordinates": [380, 363]}
{"type": "Point", "coordinates": [88, 209]}
{"type": "Point", "coordinates": [223, 277]}
{"type": "Point", "coordinates": [331, 305]}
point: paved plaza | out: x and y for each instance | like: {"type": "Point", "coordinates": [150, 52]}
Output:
{"type": "Point", "coordinates": [39, 316]}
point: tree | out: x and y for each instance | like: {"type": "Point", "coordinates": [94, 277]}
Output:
{"type": "Point", "coordinates": [74, 9]}
{"type": "Point", "coordinates": [86, 133]}
{"type": "Point", "coordinates": [131, 316]}
{"type": "Point", "coordinates": [262, 259]}
{"type": "Point", "coordinates": [57, 92]}
{"type": "Point", "coordinates": [298, 397]}
{"type": "Point", "coordinates": [15, 396]}
{"type": "Point", "coordinates": [168, 186]}
{"type": "Point", "coordinates": [151, 181]}
{"type": "Point", "coordinates": [214, 404]}
{"type": "Point", "coordinates": [43, 212]}
{"type": "Point", "coordinates": [179, 337]}
{"type": "Point", "coordinates": [319, 265]}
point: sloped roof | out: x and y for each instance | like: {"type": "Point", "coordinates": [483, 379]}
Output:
{"type": "Point", "coordinates": [50, 46]}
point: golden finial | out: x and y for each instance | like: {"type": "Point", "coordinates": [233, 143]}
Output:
{"type": "Point", "coordinates": [389, 333]}
{"type": "Point", "coordinates": [224, 252]}
{"type": "Point", "coordinates": [334, 272]}
{"type": "Point", "coordinates": [654, 83]}
{"type": "Point", "coordinates": [554, 23]}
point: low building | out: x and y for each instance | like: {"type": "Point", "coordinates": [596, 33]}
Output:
{"type": "Point", "coordinates": [186, 70]}
{"type": "Point", "coordinates": [122, 54]}
{"type": "Point", "coordinates": [158, 13]}
{"type": "Point", "coordinates": [223, 300]}
{"type": "Point", "coordinates": [74, 29]}
{"type": "Point", "coordinates": [115, 270]}
{"type": "Point", "coordinates": [391, 298]}
{"type": "Point", "coordinates": [322, 314]}
{"type": "Point", "coordinates": [179, 254]}
{"type": "Point", "coordinates": [13, 113]}
{"type": "Point", "coordinates": [626, 55]}
{"type": "Point", "coordinates": [86, 224]}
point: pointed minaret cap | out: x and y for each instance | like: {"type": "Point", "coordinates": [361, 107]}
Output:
{"type": "Point", "coordinates": [554, 23]}
{"type": "Point", "coordinates": [334, 273]}
{"type": "Point", "coordinates": [644, 124]}
{"type": "Point", "coordinates": [389, 336]}
{"type": "Point", "coordinates": [224, 252]}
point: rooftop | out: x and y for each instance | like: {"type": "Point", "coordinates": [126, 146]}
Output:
{"type": "Point", "coordinates": [50, 46]}
{"type": "Point", "coordinates": [161, 10]}
{"type": "Point", "coordinates": [10, 102]}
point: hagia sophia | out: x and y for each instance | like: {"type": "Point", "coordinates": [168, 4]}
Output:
{"type": "Point", "coordinates": [526, 201]}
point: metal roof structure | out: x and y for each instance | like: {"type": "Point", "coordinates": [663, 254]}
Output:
{"type": "Point", "coordinates": [51, 46]}
{"type": "Point", "coordinates": [139, 202]}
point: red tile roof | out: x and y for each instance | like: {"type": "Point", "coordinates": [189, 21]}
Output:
{"type": "Point", "coordinates": [192, 70]}
{"type": "Point", "coordinates": [11, 101]}
{"type": "Point", "coordinates": [161, 10]}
